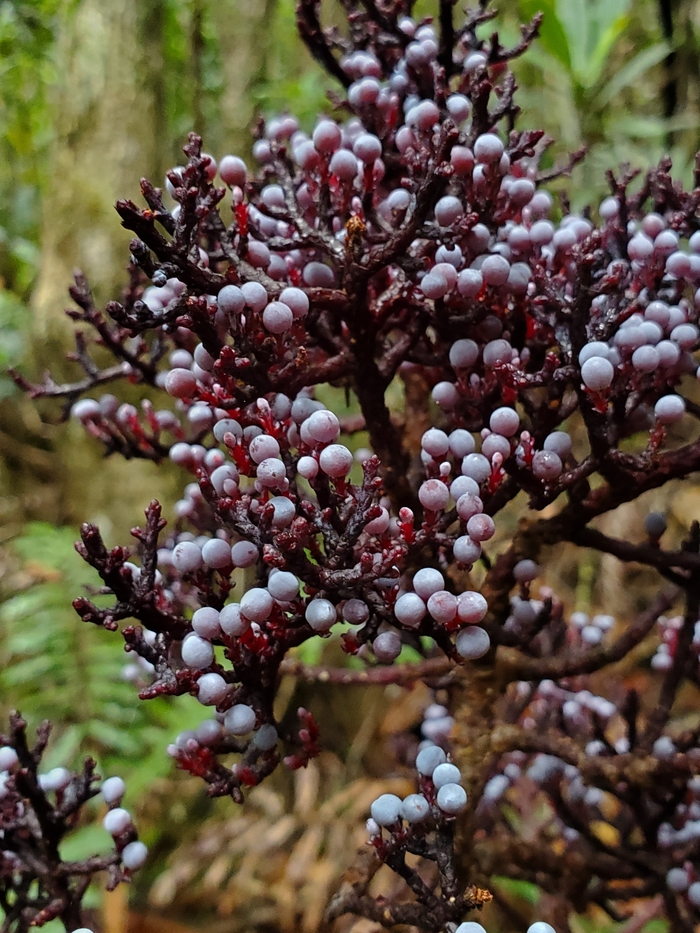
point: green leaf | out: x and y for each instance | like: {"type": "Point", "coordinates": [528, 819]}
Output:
{"type": "Point", "coordinates": [552, 36]}
{"type": "Point", "coordinates": [633, 71]}
{"type": "Point", "coordinates": [592, 28]}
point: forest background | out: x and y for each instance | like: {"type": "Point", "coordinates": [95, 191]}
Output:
{"type": "Point", "coordinates": [95, 94]}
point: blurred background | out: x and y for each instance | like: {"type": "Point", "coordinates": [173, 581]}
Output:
{"type": "Point", "coordinates": [95, 94]}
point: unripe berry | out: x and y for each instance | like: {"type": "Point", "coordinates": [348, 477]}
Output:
{"type": "Point", "coordinates": [256, 604]}
{"type": "Point", "coordinates": [428, 581]}
{"type": "Point", "coordinates": [415, 808]}
{"type": "Point", "coordinates": [386, 647]}
{"type": "Point", "coordinates": [429, 758]}
{"type": "Point", "coordinates": [452, 799]}
{"type": "Point", "coordinates": [488, 148]}
{"type": "Point", "coordinates": [240, 719]}
{"type": "Point", "coordinates": [433, 495]}
{"type": "Point", "coordinates": [335, 460]}
{"type": "Point", "coordinates": [386, 809]}
{"type": "Point", "coordinates": [187, 557]}
{"type": "Point", "coordinates": [117, 821]}
{"type": "Point", "coordinates": [134, 855]}
{"type": "Point", "coordinates": [409, 609]}
{"type": "Point", "coordinates": [472, 643]}
{"type": "Point", "coordinates": [197, 652]}
{"type": "Point", "coordinates": [321, 615]}
{"type": "Point", "coordinates": [211, 689]}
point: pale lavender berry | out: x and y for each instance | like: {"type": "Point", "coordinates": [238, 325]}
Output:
{"type": "Point", "coordinates": [380, 524]}
{"type": "Point", "coordinates": [559, 442]}
{"type": "Point", "coordinates": [8, 758]}
{"type": "Point", "coordinates": [469, 283]}
{"type": "Point", "coordinates": [307, 467]}
{"type": "Point", "coordinates": [283, 586]}
{"type": "Point", "coordinates": [472, 643]}
{"type": "Point", "coordinates": [216, 553]}
{"type": "Point", "coordinates": [655, 524]}
{"type": "Point", "coordinates": [367, 148]}
{"type": "Point", "coordinates": [495, 444]}
{"type": "Point", "coordinates": [542, 232]}
{"type": "Point", "coordinates": [465, 550]}
{"type": "Point", "coordinates": [429, 758]}
{"type": "Point", "coordinates": [265, 738]}
{"type": "Point", "coordinates": [327, 137]}
{"type": "Point", "coordinates": [525, 571]}
{"type": "Point", "coordinates": [262, 447]}
{"type": "Point", "coordinates": [435, 442]}
{"type": "Point", "coordinates": [113, 789]}
{"type": "Point", "coordinates": [448, 210]}
{"type": "Point", "coordinates": [271, 473]}
{"type": "Point", "coordinates": [424, 115]}
{"type": "Point", "coordinates": [197, 652]}
{"type": "Point", "coordinates": [434, 285]}
{"type": "Point", "coordinates": [450, 801]}
{"type": "Point", "coordinates": [464, 353]}
{"type": "Point", "coordinates": [211, 689]}
{"type": "Point", "coordinates": [666, 243]}
{"type": "Point", "coordinates": [461, 443]}
{"type": "Point", "coordinates": [446, 773]}
{"type": "Point", "coordinates": [117, 821]}
{"type": "Point", "coordinates": [180, 383]}
{"type": "Point", "coordinates": [519, 278]}
{"type": "Point", "coordinates": [134, 855]}
{"type": "Point", "coordinates": [386, 809]}
{"type": "Point", "coordinates": [232, 622]}
{"type": "Point", "coordinates": [227, 426]}
{"type": "Point", "coordinates": [495, 270]}
{"type": "Point", "coordinates": [677, 879]}
{"type": "Point", "coordinates": [694, 889]}
{"type": "Point", "coordinates": [232, 171]}
{"type": "Point", "coordinates": [504, 421]}
{"type": "Point", "coordinates": [428, 581]}
{"type": "Point", "coordinates": [669, 409]}
{"type": "Point", "coordinates": [477, 467]}
{"type": "Point", "coordinates": [541, 927]}
{"type": "Point", "coordinates": [254, 295]}
{"type": "Point", "coordinates": [318, 275]}
{"type": "Point", "coordinates": [323, 426]}
{"type": "Point", "coordinates": [321, 614]}
{"type": "Point", "coordinates": [343, 165]}
{"type": "Point", "coordinates": [461, 160]}
{"type": "Point", "coordinates": [685, 336]}
{"type": "Point", "coordinates": [187, 557]}
{"type": "Point", "coordinates": [205, 622]}
{"type": "Point", "coordinates": [415, 808]}
{"type": "Point", "coordinates": [256, 604]}
{"type": "Point", "coordinates": [231, 299]}
{"type": "Point", "coordinates": [387, 647]}
{"type": "Point", "coordinates": [640, 247]}
{"type": "Point", "coordinates": [597, 373]}
{"type": "Point", "coordinates": [488, 148]}
{"type": "Point", "coordinates": [442, 606]}
{"type": "Point", "coordinates": [410, 609]}
{"type": "Point", "coordinates": [469, 505]}
{"type": "Point", "coordinates": [433, 495]}
{"type": "Point", "coordinates": [481, 528]}
{"type": "Point", "coordinates": [335, 460]}
{"type": "Point", "coordinates": [547, 465]}
{"type": "Point", "coordinates": [645, 359]}
{"type": "Point", "coordinates": [471, 607]}
{"type": "Point", "coordinates": [297, 300]}
{"type": "Point", "coordinates": [459, 107]}
{"type": "Point", "coordinates": [240, 719]}
{"type": "Point", "coordinates": [445, 395]}
{"type": "Point", "coordinates": [244, 554]}
{"type": "Point", "coordinates": [277, 317]}
{"type": "Point", "coordinates": [471, 926]}
{"type": "Point", "coordinates": [497, 351]}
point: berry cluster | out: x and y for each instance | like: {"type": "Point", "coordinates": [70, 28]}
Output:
{"type": "Point", "coordinates": [408, 242]}
{"type": "Point", "coordinates": [37, 811]}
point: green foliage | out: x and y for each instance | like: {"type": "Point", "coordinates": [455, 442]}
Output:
{"type": "Point", "coordinates": [593, 79]}
{"type": "Point", "coordinates": [52, 666]}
